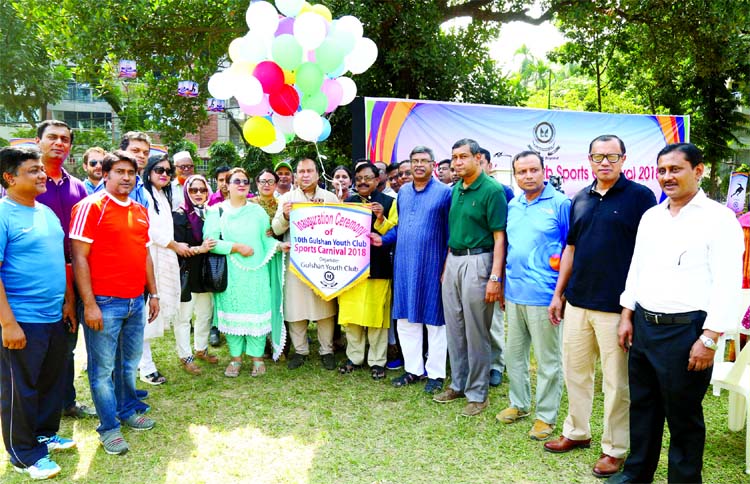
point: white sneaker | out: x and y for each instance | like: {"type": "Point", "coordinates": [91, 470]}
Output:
{"type": "Point", "coordinates": [44, 468]}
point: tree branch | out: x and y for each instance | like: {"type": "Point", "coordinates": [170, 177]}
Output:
{"type": "Point", "coordinates": [482, 10]}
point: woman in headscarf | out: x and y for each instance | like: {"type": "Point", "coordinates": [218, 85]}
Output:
{"type": "Point", "coordinates": [195, 299]}
{"type": "Point", "coordinates": [164, 249]}
{"type": "Point", "coordinates": [251, 306]}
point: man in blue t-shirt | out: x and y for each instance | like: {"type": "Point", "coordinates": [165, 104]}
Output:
{"type": "Point", "coordinates": [537, 230]}
{"type": "Point", "coordinates": [32, 290]}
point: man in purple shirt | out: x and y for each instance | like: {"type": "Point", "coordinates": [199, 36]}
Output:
{"type": "Point", "coordinates": [55, 138]}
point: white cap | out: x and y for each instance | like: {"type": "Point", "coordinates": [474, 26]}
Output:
{"type": "Point", "coordinates": [182, 155]}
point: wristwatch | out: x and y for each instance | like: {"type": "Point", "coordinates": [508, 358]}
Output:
{"type": "Point", "coordinates": [708, 342]}
{"type": "Point", "coordinates": [154, 296]}
{"type": "Point", "coordinates": [495, 278]}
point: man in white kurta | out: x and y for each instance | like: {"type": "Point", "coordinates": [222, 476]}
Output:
{"type": "Point", "coordinates": [301, 304]}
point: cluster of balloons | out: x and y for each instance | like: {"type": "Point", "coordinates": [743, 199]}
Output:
{"type": "Point", "coordinates": [288, 71]}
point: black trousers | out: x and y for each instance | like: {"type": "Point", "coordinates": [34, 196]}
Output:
{"type": "Point", "coordinates": [31, 389]}
{"type": "Point", "coordinates": [662, 388]}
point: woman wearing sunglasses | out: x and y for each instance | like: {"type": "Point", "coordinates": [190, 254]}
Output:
{"type": "Point", "coordinates": [250, 308]}
{"type": "Point", "coordinates": [195, 299]}
{"type": "Point", "coordinates": [157, 176]}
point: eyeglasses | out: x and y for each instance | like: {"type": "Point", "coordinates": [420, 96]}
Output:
{"type": "Point", "coordinates": [193, 191]}
{"type": "Point", "coordinates": [160, 170]}
{"type": "Point", "coordinates": [599, 157]}
{"type": "Point", "coordinates": [93, 163]}
{"type": "Point", "coordinates": [266, 182]}
{"type": "Point", "coordinates": [185, 167]}
{"type": "Point", "coordinates": [368, 178]}
{"type": "Point", "coordinates": [404, 174]}
{"type": "Point", "coordinates": [239, 181]}
{"type": "Point", "coordinates": [417, 161]}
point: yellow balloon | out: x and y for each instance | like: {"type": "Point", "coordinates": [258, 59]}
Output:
{"type": "Point", "coordinates": [242, 67]}
{"type": "Point", "coordinates": [259, 131]}
{"type": "Point", "coordinates": [305, 8]}
{"type": "Point", "coordinates": [323, 11]}
{"type": "Point", "coordinates": [289, 77]}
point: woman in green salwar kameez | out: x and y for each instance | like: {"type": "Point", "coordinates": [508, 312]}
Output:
{"type": "Point", "coordinates": [251, 307]}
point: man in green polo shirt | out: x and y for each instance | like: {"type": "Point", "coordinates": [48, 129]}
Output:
{"type": "Point", "coordinates": [472, 280]}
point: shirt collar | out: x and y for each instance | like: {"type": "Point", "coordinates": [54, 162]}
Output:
{"type": "Point", "coordinates": [547, 192]}
{"type": "Point", "coordinates": [699, 200]}
{"type": "Point", "coordinates": [475, 184]}
{"type": "Point", "coordinates": [618, 186]}
{"type": "Point", "coordinates": [126, 203]}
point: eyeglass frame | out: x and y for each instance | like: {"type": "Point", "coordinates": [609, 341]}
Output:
{"type": "Point", "coordinates": [605, 156]}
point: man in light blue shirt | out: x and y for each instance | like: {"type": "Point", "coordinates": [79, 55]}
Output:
{"type": "Point", "coordinates": [537, 229]}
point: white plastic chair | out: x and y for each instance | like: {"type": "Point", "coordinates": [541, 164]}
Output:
{"type": "Point", "coordinates": [735, 377]}
{"type": "Point", "coordinates": [743, 303]}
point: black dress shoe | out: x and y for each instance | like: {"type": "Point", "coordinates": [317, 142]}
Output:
{"type": "Point", "coordinates": [619, 478]}
{"type": "Point", "coordinates": [213, 337]}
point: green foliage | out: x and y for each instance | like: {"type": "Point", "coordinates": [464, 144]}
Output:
{"type": "Point", "coordinates": [222, 153]}
{"type": "Point", "coordinates": [685, 60]}
{"type": "Point", "coordinates": [4, 142]}
{"type": "Point", "coordinates": [29, 77]}
{"type": "Point", "coordinates": [184, 145]}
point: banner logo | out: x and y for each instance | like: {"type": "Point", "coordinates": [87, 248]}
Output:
{"type": "Point", "coordinates": [330, 250]}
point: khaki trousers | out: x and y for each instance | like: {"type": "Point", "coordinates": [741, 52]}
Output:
{"type": "Point", "coordinates": [586, 333]}
{"type": "Point", "coordinates": [356, 338]}
{"type": "Point", "coordinates": [298, 334]}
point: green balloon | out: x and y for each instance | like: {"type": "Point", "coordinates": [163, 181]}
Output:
{"type": "Point", "coordinates": [318, 102]}
{"type": "Point", "coordinates": [286, 52]}
{"type": "Point", "coordinates": [329, 55]}
{"type": "Point", "coordinates": [309, 78]}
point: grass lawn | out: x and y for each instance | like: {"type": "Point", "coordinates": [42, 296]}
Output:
{"type": "Point", "coordinates": [316, 426]}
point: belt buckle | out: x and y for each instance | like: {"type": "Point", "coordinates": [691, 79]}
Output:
{"type": "Point", "coordinates": [656, 318]}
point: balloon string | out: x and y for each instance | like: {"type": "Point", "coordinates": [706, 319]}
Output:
{"type": "Point", "coordinates": [323, 173]}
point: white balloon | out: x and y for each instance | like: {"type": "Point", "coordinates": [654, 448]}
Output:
{"type": "Point", "coordinates": [308, 125]}
{"type": "Point", "coordinates": [247, 90]}
{"type": "Point", "coordinates": [284, 123]}
{"type": "Point", "coordinates": [290, 8]}
{"type": "Point", "coordinates": [310, 30]}
{"type": "Point", "coordinates": [262, 17]}
{"type": "Point", "coordinates": [220, 85]}
{"type": "Point", "coordinates": [350, 24]}
{"type": "Point", "coordinates": [362, 57]}
{"type": "Point", "coordinates": [349, 89]}
{"type": "Point", "coordinates": [256, 47]}
{"type": "Point", "coordinates": [278, 144]}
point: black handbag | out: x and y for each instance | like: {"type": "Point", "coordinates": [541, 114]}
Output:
{"type": "Point", "coordinates": [215, 276]}
{"type": "Point", "coordinates": [185, 293]}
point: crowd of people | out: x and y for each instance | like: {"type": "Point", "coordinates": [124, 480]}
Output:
{"type": "Point", "coordinates": [139, 245]}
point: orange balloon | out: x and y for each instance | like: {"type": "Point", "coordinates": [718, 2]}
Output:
{"type": "Point", "coordinates": [554, 262]}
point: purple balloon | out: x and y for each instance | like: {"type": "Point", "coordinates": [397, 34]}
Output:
{"type": "Point", "coordinates": [286, 26]}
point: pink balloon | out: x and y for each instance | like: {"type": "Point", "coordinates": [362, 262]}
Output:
{"type": "Point", "coordinates": [270, 75]}
{"type": "Point", "coordinates": [286, 26]}
{"type": "Point", "coordinates": [263, 108]}
{"type": "Point", "coordinates": [311, 56]}
{"type": "Point", "coordinates": [334, 92]}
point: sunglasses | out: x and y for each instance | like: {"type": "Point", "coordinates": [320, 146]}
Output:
{"type": "Point", "coordinates": [94, 163]}
{"type": "Point", "coordinates": [193, 191]}
{"type": "Point", "coordinates": [185, 167]}
{"type": "Point", "coordinates": [160, 170]}
{"type": "Point", "coordinates": [266, 182]}
{"type": "Point", "coordinates": [238, 181]}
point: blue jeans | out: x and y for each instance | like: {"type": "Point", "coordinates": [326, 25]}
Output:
{"type": "Point", "coordinates": [113, 356]}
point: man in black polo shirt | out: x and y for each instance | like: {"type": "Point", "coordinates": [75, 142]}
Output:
{"type": "Point", "coordinates": [472, 279]}
{"type": "Point", "coordinates": [604, 220]}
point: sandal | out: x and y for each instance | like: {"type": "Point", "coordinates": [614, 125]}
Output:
{"type": "Point", "coordinates": [377, 372]}
{"type": "Point", "coordinates": [233, 369]}
{"type": "Point", "coordinates": [259, 369]}
{"type": "Point", "coordinates": [348, 366]}
{"type": "Point", "coordinates": [405, 379]}
{"type": "Point", "coordinates": [154, 378]}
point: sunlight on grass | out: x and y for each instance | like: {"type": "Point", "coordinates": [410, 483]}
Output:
{"type": "Point", "coordinates": [245, 454]}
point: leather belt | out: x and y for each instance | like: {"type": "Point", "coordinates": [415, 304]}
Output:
{"type": "Point", "coordinates": [478, 250]}
{"type": "Point", "coordinates": [673, 318]}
